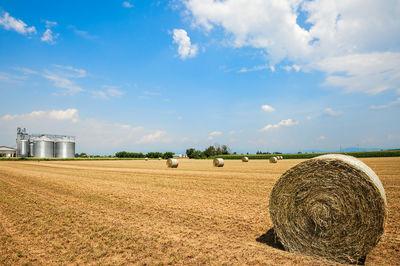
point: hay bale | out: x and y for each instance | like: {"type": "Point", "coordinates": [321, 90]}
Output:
{"type": "Point", "coordinates": [245, 159]}
{"type": "Point", "coordinates": [159, 158]}
{"type": "Point", "coordinates": [273, 160]}
{"type": "Point", "coordinates": [146, 159]}
{"type": "Point", "coordinates": [332, 206]}
{"type": "Point", "coordinates": [172, 163]}
{"type": "Point", "coordinates": [218, 162]}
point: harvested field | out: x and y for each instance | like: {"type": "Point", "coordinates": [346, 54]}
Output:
{"type": "Point", "coordinates": [118, 212]}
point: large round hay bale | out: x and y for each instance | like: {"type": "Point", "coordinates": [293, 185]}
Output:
{"type": "Point", "coordinates": [146, 159]}
{"type": "Point", "coordinates": [159, 158]}
{"type": "Point", "coordinates": [332, 206]}
{"type": "Point", "coordinates": [273, 160]}
{"type": "Point", "coordinates": [172, 163]}
{"type": "Point", "coordinates": [245, 159]}
{"type": "Point", "coordinates": [218, 162]}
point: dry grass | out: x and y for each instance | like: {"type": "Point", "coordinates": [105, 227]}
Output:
{"type": "Point", "coordinates": [118, 212]}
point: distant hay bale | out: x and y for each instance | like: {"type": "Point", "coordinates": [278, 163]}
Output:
{"type": "Point", "coordinates": [218, 162]}
{"type": "Point", "coordinates": [332, 206]}
{"type": "Point", "coordinates": [159, 158]}
{"type": "Point", "coordinates": [273, 160]}
{"type": "Point", "coordinates": [245, 159]}
{"type": "Point", "coordinates": [172, 163]}
{"type": "Point", "coordinates": [146, 159]}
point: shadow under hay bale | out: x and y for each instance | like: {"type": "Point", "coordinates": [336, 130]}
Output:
{"type": "Point", "coordinates": [271, 239]}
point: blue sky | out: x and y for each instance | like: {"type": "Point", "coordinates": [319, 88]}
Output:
{"type": "Point", "coordinates": [169, 75]}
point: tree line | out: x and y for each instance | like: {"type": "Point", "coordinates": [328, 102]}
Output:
{"type": "Point", "coordinates": [125, 154]}
{"type": "Point", "coordinates": [214, 150]}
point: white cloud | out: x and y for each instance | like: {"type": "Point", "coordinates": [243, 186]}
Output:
{"type": "Point", "coordinates": [68, 114]}
{"type": "Point", "coordinates": [111, 91]}
{"type": "Point", "coordinates": [60, 76]}
{"type": "Point", "coordinates": [268, 108]}
{"type": "Point", "coordinates": [6, 77]}
{"type": "Point", "coordinates": [213, 134]}
{"type": "Point", "coordinates": [72, 72]}
{"type": "Point", "coordinates": [331, 112]}
{"type": "Point", "coordinates": [63, 82]}
{"type": "Point", "coordinates": [84, 34]}
{"type": "Point", "coordinates": [179, 118]}
{"type": "Point", "coordinates": [348, 40]}
{"type": "Point", "coordinates": [26, 71]}
{"type": "Point", "coordinates": [50, 24]}
{"type": "Point", "coordinates": [185, 48]}
{"type": "Point", "coordinates": [11, 23]}
{"type": "Point", "coordinates": [127, 4]}
{"type": "Point", "coordinates": [309, 117]}
{"type": "Point", "coordinates": [371, 73]}
{"type": "Point", "coordinates": [284, 123]}
{"type": "Point", "coordinates": [154, 137]}
{"type": "Point", "coordinates": [321, 138]}
{"type": "Point", "coordinates": [385, 106]}
{"type": "Point", "coordinates": [292, 67]}
{"type": "Point", "coordinates": [256, 68]}
{"type": "Point", "coordinates": [49, 36]}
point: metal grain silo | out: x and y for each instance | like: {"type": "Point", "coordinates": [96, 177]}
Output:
{"type": "Point", "coordinates": [30, 149]}
{"type": "Point", "coordinates": [22, 148]}
{"type": "Point", "coordinates": [64, 149]}
{"type": "Point", "coordinates": [43, 148]}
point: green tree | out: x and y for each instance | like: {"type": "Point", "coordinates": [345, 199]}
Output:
{"type": "Point", "coordinates": [210, 151]}
{"type": "Point", "coordinates": [168, 155]}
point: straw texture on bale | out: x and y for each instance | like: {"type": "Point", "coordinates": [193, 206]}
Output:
{"type": "Point", "coordinates": [172, 163]}
{"type": "Point", "coordinates": [273, 160]}
{"type": "Point", "coordinates": [245, 159]}
{"type": "Point", "coordinates": [332, 206]}
{"type": "Point", "coordinates": [218, 162]}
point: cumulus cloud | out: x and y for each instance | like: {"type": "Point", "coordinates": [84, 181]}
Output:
{"type": "Point", "coordinates": [10, 23]}
{"type": "Point", "coordinates": [49, 36]}
{"type": "Point", "coordinates": [268, 108]}
{"type": "Point", "coordinates": [185, 48]}
{"type": "Point", "coordinates": [284, 123]}
{"type": "Point", "coordinates": [371, 73]}
{"type": "Point", "coordinates": [153, 137]}
{"type": "Point", "coordinates": [68, 114]}
{"type": "Point", "coordinates": [348, 40]}
{"type": "Point", "coordinates": [385, 106]}
{"type": "Point", "coordinates": [331, 112]}
{"type": "Point", "coordinates": [127, 4]}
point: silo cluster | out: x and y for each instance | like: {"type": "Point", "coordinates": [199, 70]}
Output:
{"type": "Point", "coordinates": [44, 145]}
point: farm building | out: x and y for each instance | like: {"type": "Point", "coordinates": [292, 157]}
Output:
{"type": "Point", "coordinates": [7, 151]}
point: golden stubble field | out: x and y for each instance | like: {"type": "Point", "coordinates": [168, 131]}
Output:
{"type": "Point", "coordinates": [138, 212]}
